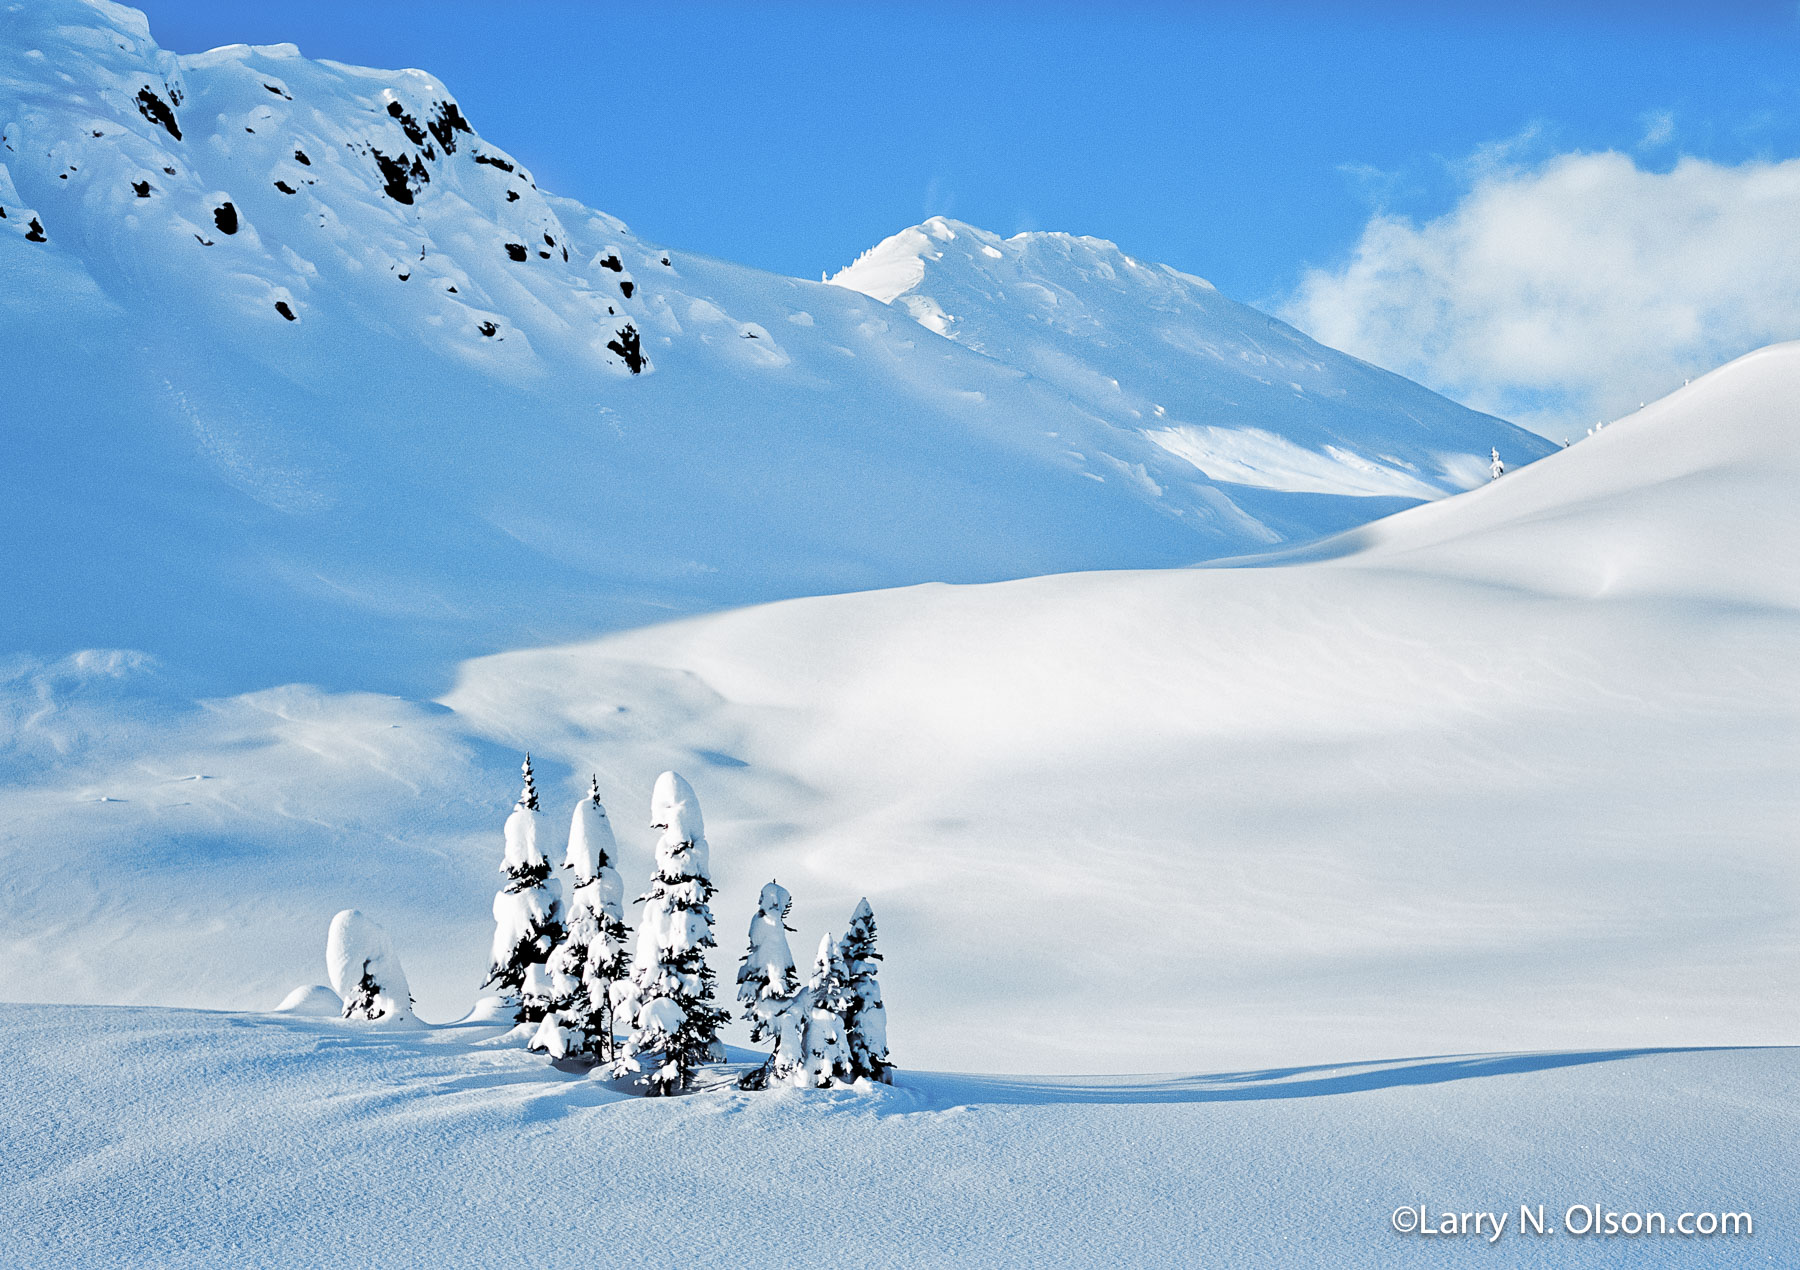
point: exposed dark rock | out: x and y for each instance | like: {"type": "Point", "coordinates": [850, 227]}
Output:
{"type": "Point", "coordinates": [285, 188]}
{"type": "Point", "coordinates": [446, 123]}
{"type": "Point", "coordinates": [281, 307]}
{"type": "Point", "coordinates": [141, 188]}
{"type": "Point", "coordinates": [512, 196]}
{"type": "Point", "coordinates": [278, 92]}
{"type": "Point", "coordinates": [613, 263]}
{"type": "Point", "coordinates": [629, 348]}
{"type": "Point", "coordinates": [487, 329]}
{"type": "Point", "coordinates": [408, 124]}
{"type": "Point", "coordinates": [226, 218]}
{"type": "Point", "coordinates": [665, 260]}
{"type": "Point", "coordinates": [627, 287]}
{"type": "Point", "coordinates": [34, 232]}
{"type": "Point", "coordinates": [202, 240]}
{"type": "Point", "coordinates": [300, 157]}
{"type": "Point", "coordinates": [158, 111]}
{"type": "Point", "coordinates": [399, 179]}
{"type": "Point", "coordinates": [517, 251]}
{"type": "Point", "coordinates": [491, 161]}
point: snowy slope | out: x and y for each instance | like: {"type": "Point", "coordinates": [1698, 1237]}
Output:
{"type": "Point", "coordinates": [192, 1139]}
{"type": "Point", "coordinates": [1507, 771]}
{"type": "Point", "coordinates": [309, 381]}
{"type": "Point", "coordinates": [1162, 356]}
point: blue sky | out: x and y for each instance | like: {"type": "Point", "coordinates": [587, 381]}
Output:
{"type": "Point", "coordinates": [1236, 142]}
{"type": "Point", "coordinates": [1260, 146]}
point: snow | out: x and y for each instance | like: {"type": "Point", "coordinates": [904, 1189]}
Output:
{"type": "Point", "coordinates": [521, 833]}
{"type": "Point", "coordinates": [366, 495]}
{"type": "Point", "coordinates": [118, 1150]}
{"type": "Point", "coordinates": [1161, 355]}
{"type": "Point", "coordinates": [518, 914]}
{"type": "Point", "coordinates": [314, 1001]}
{"type": "Point", "coordinates": [591, 844]}
{"type": "Point", "coordinates": [358, 951]}
{"type": "Point", "coordinates": [1409, 790]}
{"type": "Point", "coordinates": [676, 811]}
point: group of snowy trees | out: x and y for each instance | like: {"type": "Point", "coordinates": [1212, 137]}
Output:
{"type": "Point", "coordinates": [833, 1026]}
{"type": "Point", "coordinates": [565, 973]}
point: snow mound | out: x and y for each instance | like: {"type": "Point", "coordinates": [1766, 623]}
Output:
{"type": "Point", "coordinates": [314, 1001]}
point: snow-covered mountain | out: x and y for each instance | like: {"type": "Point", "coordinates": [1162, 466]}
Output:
{"type": "Point", "coordinates": [309, 380]}
{"type": "Point", "coordinates": [1247, 400]}
{"type": "Point", "coordinates": [1504, 771]}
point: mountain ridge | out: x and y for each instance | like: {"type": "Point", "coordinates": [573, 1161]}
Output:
{"type": "Point", "coordinates": [314, 383]}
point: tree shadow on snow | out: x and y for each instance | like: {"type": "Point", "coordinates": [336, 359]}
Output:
{"type": "Point", "coordinates": [1318, 1081]}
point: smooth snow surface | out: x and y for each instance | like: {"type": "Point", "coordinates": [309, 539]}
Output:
{"type": "Point", "coordinates": [442, 453]}
{"type": "Point", "coordinates": [1508, 771]}
{"type": "Point", "coordinates": [196, 1139]}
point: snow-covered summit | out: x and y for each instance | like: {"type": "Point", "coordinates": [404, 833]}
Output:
{"type": "Point", "coordinates": [1161, 355]}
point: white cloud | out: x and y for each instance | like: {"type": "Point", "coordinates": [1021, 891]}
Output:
{"type": "Point", "coordinates": [1659, 127]}
{"type": "Point", "coordinates": [1569, 291]}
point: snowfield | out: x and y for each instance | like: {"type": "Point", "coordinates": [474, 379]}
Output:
{"type": "Point", "coordinates": [176, 1138]}
{"type": "Point", "coordinates": [1510, 771]}
{"type": "Point", "coordinates": [1180, 693]}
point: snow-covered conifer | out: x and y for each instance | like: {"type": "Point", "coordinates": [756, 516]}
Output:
{"type": "Point", "coordinates": [364, 970]}
{"type": "Point", "coordinates": [592, 956]}
{"type": "Point", "coordinates": [865, 1018]}
{"type": "Point", "coordinates": [774, 1002]}
{"type": "Point", "coordinates": [1496, 469]}
{"type": "Point", "coordinates": [827, 1053]}
{"type": "Point", "coordinates": [674, 1025]}
{"type": "Point", "coordinates": [527, 910]}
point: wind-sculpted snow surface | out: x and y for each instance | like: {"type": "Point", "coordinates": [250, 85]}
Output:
{"type": "Point", "coordinates": [308, 380]}
{"type": "Point", "coordinates": [172, 1137]}
{"type": "Point", "coordinates": [1508, 770]}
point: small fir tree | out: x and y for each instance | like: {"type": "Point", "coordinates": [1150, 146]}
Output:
{"type": "Point", "coordinates": [769, 987]}
{"type": "Point", "coordinates": [826, 1052]}
{"type": "Point", "coordinates": [364, 970]}
{"type": "Point", "coordinates": [674, 1025]}
{"type": "Point", "coordinates": [865, 1018]}
{"type": "Point", "coordinates": [592, 957]}
{"type": "Point", "coordinates": [527, 912]}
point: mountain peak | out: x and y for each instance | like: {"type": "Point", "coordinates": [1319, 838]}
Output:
{"type": "Point", "coordinates": [1160, 354]}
